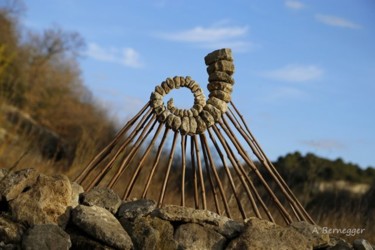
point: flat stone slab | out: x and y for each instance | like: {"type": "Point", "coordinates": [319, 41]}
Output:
{"type": "Point", "coordinates": [46, 237]}
{"type": "Point", "coordinates": [102, 197]}
{"type": "Point", "coordinates": [14, 183]}
{"type": "Point", "coordinates": [102, 225]}
{"type": "Point", "coordinates": [223, 225]}
{"type": "Point", "coordinates": [133, 209]}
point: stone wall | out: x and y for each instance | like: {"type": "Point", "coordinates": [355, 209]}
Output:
{"type": "Point", "coordinates": [51, 212]}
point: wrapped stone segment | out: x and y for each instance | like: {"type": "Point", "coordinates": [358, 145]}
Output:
{"type": "Point", "coordinates": [203, 113]}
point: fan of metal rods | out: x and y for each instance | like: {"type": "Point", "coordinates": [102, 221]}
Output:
{"type": "Point", "coordinates": [201, 159]}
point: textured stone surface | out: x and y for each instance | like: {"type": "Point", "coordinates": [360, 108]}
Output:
{"type": "Point", "coordinates": [223, 86]}
{"type": "Point", "coordinates": [82, 241]}
{"type": "Point", "coordinates": [194, 236]}
{"type": "Point", "coordinates": [134, 209]}
{"type": "Point", "coordinates": [185, 125]}
{"type": "Point", "coordinates": [219, 76]}
{"type": "Point", "coordinates": [221, 224]}
{"type": "Point", "coordinates": [102, 225]}
{"type": "Point", "coordinates": [262, 234]}
{"type": "Point", "coordinates": [362, 244]}
{"type": "Point", "coordinates": [150, 233]}
{"type": "Point", "coordinates": [340, 244]}
{"type": "Point", "coordinates": [314, 234]}
{"type": "Point", "coordinates": [102, 197]}
{"type": "Point", "coordinates": [192, 125]}
{"type": "Point", "coordinates": [207, 118]}
{"type": "Point", "coordinates": [219, 104]}
{"type": "Point", "coordinates": [47, 201]}
{"type": "Point", "coordinates": [201, 125]}
{"type": "Point", "coordinates": [215, 112]}
{"type": "Point", "coordinates": [76, 191]}
{"type": "Point", "coordinates": [222, 95]}
{"type": "Point", "coordinates": [10, 231]}
{"type": "Point", "coordinates": [223, 66]}
{"type": "Point", "coordinates": [14, 183]}
{"type": "Point", "coordinates": [3, 172]}
{"type": "Point", "coordinates": [220, 54]}
{"type": "Point", "coordinates": [46, 237]}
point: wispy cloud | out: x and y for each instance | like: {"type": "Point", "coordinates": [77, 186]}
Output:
{"type": "Point", "coordinates": [336, 21]}
{"type": "Point", "coordinates": [219, 35]}
{"type": "Point", "coordinates": [284, 93]}
{"type": "Point", "coordinates": [128, 57]}
{"type": "Point", "coordinates": [294, 73]}
{"type": "Point", "coordinates": [294, 4]}
{"type": "Point", "coordinates": [324, 144]}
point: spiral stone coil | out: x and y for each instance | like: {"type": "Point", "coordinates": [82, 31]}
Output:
{"type": "Point", "coordinates": [203, 114]}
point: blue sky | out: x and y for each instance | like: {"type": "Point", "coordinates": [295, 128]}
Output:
{"type": "Point", "coordinates": [305, 70]}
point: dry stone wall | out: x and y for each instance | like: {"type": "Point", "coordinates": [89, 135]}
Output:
{"type": "Point", "coordinates": [50, 212]}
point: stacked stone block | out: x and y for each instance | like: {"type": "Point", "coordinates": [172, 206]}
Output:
{"type": "Point", "coordinates": [203, 114]}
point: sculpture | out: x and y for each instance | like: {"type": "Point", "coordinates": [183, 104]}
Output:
{"type": "Point", "coordinates": [215, 122]}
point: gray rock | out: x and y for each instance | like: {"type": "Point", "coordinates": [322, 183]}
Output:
{"type": "Point", "coordinates": [223, 86]}
{"type": "Point", "coordinates": [223, 66]}
{"type": "Point", "coordinates": [362, 244]}
{"type": "Point", "coordinates": [46, 202]}
{"type": "Point", "coordinates": [220, 224]}
{"type": "Point", "coordinates": [313, 234]}
{"type": "Point", "coordinates": [185, 125]}
{"type": "Point", "coordinates": [102, 225]}
{"type": "Point", "coordinates": [46, 237]}
{"type": "Point", "coordinates": [215, 112]}
{"type": "Point", "coordinates": [4, 246]}
{"type": "Point", "coordinates": [80, 241]}
{"type": "Point", "coordinates": [15, 183]}
{"type": "Point", "coordinates": [192, 125]}
{"type": "Point", "coordinates": [10, 232]}
{"type": "Point", "coordinates": [76, 191]}
{"type": "Point", "coordinates": [194, 236]}
{"type": "Point", "coordinates": [222, 95]}
{"type": "Point", "coordinates": [133, 209]}
{"type": "Point", "coordinates": [339, 244]}
{"type": "Point", "coordinates": [102, 197]}
{"type": "Point", "coordinates": [262, 234]}
{"type": "Point", "coordinates": [150, 233]}
{"type": "Point", "coordinates": [220, 54]}
{"type": "Point", "coordinates": [217, 103]}
{"type": "Point", "coordinates": [3, 172]}
{"type": "Point", "coordinates": [201, 125]}
{"type": "Point", "coordinates": [219, 76]}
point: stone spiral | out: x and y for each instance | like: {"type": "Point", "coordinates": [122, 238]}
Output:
{"type": "Point", "coordinates": [204, 113]}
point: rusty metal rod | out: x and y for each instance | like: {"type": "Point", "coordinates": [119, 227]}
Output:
{"type": "Point", "coordinates": [141, 161]}
{"type": "Point", "coordinates": [166, 177]}
{"type": "Point", "coordinates": [196, 196]}
{"type": "Point", "coordinates": [207, 164]}
{"type": "Point", "coordinates": [156, 162]}
{"type": "Point", "coordinates": [241, 151]}
{"type": "Point", "coordinates": [216, 175]}
{"type": "Point", "coordinates": [227, 170]}
{"type": "Point", "coordinates": [104, 152]}
{"type": "Point", "coordinates": [183, 175]}
{"type": "Point", "coordinates": [272, 167]}
{"type": "Point", "coordinates": [200, 172]}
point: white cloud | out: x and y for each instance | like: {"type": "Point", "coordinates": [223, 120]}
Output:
{"type": "Point", "coordinates": [219, 35]}
{"type": "Point", "coordinates": [336, 21]}
{"type": "Point", "coordinates": [294, 73]}
{"type": "Point", "coordinates": [128, 57]}
{"type": "Point", "coordinates": [294, 4]}
{"type": "Point", "coordinates": [284, 93]}
{"type": "Point", "coordinates": [324, 144]}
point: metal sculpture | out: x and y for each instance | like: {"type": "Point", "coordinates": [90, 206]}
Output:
{"type": "Point", "coordinates": [215, 130]}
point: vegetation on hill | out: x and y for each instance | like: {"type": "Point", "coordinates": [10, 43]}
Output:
{"type": "Point", "coordinates": [40, 77]}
